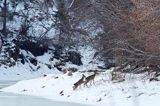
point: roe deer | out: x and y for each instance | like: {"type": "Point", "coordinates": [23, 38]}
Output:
{"type": "Point", "coordinates": [79, 82]}
{"type": "Point", "coordinates": [90, 78]}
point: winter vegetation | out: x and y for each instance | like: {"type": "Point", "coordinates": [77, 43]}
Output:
{"type": "Point", "coordinates": [94, 52]}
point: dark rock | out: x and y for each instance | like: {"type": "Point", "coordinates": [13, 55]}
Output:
{"type": "Point", "coordinates": [33, 61]}
{"type": "Point", "coordinates": [74, 57]}
{"type": "Point", "coordinates": [14, 53]}
{"type": "Point", "coordinates": [38, 67]}
{"type": "Point", "coordinates": [68, 96]}
{"type": "Point", "coordinates": [59, 68]}
{"type": "Point", "coordinates": [51, 59]}
{"type": "Point", "coordinates": [35, 48]}
{"type": "Point", "coordinates": [43, 86]}
{"type": "Point", "coordinates": [100, 99]}
{"type": "Point", "coordinates": [102, 67]}
{"type": "Point", "coordinates": [58, 51]}
{"type": "Point", "coordinates": [157, 74]}
{"type": "Point", "coordinates": [56, 77]}
{"type": "Point", "coordinates": [24, 90]}
{"type": "Point", "coordinates": [44, 75]}
{"type": "Point", "coordinates": [32, 69]}
{"type": "Point", "coordinates": [11, 64]}
{"type": "Point", "coordinates": [70, 73]}
{"type": "Point", "coordinates": [58, 65]}
{"type": "Point", "coordinates": [73, 69]}
{"type": "Point", "coordinates": [110, 66]}
{"type": "Point", "coordinates": [49, 66]}
{"type": "Point", "coordinates": [61, 93]}
{"type": "Point", "coordinates": [92, 70]}
{"type": "Point", "coordinates": [21, 56]}
{"type": "Point", "coordinates": [153, 79]}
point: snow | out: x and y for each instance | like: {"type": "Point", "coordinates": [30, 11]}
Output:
{"type": "Point", "coordinates": [28, 70]}
{"type": "Point", "coordinates": [39, 25]}
{"type": "Point", "coordinates": [133, 92]}
{"type": "Point", "coordinates": [88, 60]}
{"type": "Point", "coordinates": [57, 86]}
{"type": "Point", "coordinates": [136, 90]}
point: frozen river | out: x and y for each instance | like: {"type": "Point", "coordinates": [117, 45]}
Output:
{"type": "Point", "coordinates": [9, 99]}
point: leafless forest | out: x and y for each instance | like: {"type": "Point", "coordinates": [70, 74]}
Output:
{"type": "Point", "coordinates": [124, 32]}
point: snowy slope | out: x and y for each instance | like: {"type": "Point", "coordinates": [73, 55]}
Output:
{"type": "Point", "coordinates": [28, 70]}
{"type": "Point", "coordinates": [25, 71]}
{"type": "Point", "coordinates": [133, 92]}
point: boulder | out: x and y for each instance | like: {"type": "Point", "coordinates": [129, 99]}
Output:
{"type": "Point", "coordinates": [35, 48]}
{"type": "Point", "coordinates": [74, 57]}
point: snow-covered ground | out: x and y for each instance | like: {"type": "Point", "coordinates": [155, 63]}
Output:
{"type": "Point", "coordinates": [28, 70]}
{"type": "Point", "coordinates": [22, 72]}
{"type": "Point", "coordinates": [135, 91]}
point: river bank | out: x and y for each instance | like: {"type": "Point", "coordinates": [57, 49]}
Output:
{"type": "Point", "coordinates": [58, 87]}
{"type": "Point", "coordinates": [12, 99]}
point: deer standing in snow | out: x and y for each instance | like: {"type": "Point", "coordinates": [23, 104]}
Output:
{"type": "Point", "coordinates": [79, 82]}
{"type": "Point", "coordinates": [90, 78]}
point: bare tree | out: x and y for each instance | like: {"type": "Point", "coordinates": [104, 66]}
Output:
{"type": "Point", "coordinates": [1, 43]}
{"type": "Point", "coordinates": [4, 10]}
{"type": "Point", "coordinates": [131, 33]}
{"type": "Point", "coordinates": [73, 20]}
{"type": "Point", "coordinates": [63, 25]}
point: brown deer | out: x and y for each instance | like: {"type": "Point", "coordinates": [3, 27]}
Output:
{"type": "Point", "coordinates": [90, 78]}
{"type": "Point", "coordinates": [79, 82]}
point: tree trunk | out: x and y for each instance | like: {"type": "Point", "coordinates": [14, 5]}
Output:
{"type": "Point", "coordinates": [64, 21]}
{"type": "Point", "coordinates": [4, 12]}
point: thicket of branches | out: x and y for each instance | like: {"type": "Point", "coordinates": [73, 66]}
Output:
{"type": "Point", "coordinates": [131, 33]}
{"type": "Point", "coordinates": [75, 21]}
